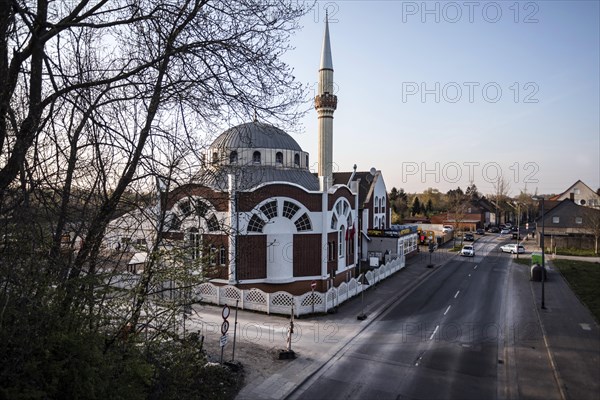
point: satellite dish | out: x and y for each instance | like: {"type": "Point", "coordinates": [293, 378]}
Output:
{"type": "Point", "coordinates": [373, 171]}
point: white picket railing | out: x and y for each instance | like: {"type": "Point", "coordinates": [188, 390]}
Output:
{"type": "Point", "coordinates": [307, 303]}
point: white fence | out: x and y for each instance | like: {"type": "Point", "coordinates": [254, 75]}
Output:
{"type": "Point", "coordinates": [281, 302]}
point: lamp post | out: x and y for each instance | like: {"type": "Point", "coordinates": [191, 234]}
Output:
{"type": "Point", "coordinates": [543, 252]}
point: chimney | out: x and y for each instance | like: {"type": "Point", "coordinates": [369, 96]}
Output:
{"type": "Point", "coordinates": [572, 197]}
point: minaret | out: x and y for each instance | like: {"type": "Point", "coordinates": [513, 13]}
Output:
{"type": "Point", "coordinates": [325, 104]}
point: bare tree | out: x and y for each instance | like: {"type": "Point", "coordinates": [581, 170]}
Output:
{"type": "Point", "coordinates": [97, 99]}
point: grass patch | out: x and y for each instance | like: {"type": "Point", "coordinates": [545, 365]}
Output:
{"type": "Point", "coordinates": [584, 279]}
{"type": "Point", "coordinates": [575, 252]}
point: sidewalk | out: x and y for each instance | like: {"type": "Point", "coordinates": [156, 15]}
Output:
{"type": "Point", "coordinates": [552, 353]}
{"type": "Point", "coordinates": [316, 338]}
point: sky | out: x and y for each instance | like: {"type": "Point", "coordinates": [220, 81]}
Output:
{"type": "Point", "coordinates": [441, 94]}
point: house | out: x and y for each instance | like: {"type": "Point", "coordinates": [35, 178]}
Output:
{"type": "Point", "coordinates": [580, 194]}
{"type": "Point", "coordinates": [478, 213]}
{"type": "Point", "coordinates": [569, 225]}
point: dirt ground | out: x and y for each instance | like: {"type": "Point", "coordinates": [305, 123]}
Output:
{"type": "Point", "coordinates": [258, 360]}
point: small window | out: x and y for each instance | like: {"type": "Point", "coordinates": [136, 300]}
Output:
{"type": "Point", "coordinates": [213, 223]}
{"type": "Point", "coordinates": [334, 221]}
{"type": "Point", "coordinates": [307, 161]}
{"type": "Point", "coordinates": [270, 210]}
{"type": "Point", "coordinates": [579, 220]}
{"type": "Point", "coordinates": [185, 207]}
{"type": "Point", "coordinates": [303, 223]}
{"type": "Point", "coordinates": [279, 157]}
{"type": "Point", "coordinates": [555, 220]}
{"type": "Point", "coordinates": [297, 159]}
{"type": "Point", "coordinates": [376, 204]}
{"type": "Point", "coordinates": [215, 158]}
{"type": "Point", "coordinates": [233, 157]}
{"type": "Point", "coordinates": [341, 241]}
{"type": "Point", "coordinates": [256, 157]}
{"type": "Point", "coordinates": [289, 209]}
{"type": "Point", "coordinates": [577, 191]}
{"type": "Point", "coordinates": [256, 224]}
{"type": "Point", "coordinates": [213, 255]}
{"type": "Point", "coordinates": [222, 256]}
{"type": "Point", "coordinates": [201, 208]}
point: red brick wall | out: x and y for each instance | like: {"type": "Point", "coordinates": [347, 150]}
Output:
{"type": "Point", "coordinates": [341, 192]}
{"type": "Point", "coordinates": [252, 257]}
{"type": "Point", "coordinates": [247, 201]}
{"type": "Point", "coordinates": [307, 257]}
{"type": "Point", "coordinates": [219, 200]}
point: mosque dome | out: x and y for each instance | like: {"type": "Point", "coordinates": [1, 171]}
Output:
{"type": "Point", "coordinates": [256, 135]}
{"type": "Point", "coordinates": [257, 153]}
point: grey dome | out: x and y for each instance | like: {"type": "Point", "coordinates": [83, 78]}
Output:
{"type": "Point", "coordinates": [255, 135]}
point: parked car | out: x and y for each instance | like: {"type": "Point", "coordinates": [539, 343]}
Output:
{"type": "Point", "coordinates": [505, 231]}
{"type": "Point", "coordinates": [494, 229]}
{"type": "Point", "coordinates": [469, 237]}
{"type": "Point", "coordinates": [480, 231]}
{"type": "Point", "coordinates": [447, 229]}
{"type": "Point", "coordinates": [512, 248]}
{"type": "Point", "coordinates": [467, 251]}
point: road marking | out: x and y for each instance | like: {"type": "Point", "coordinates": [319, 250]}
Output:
{"type": "Point", "coordinates": [457, 292]}
{"type": "Point", "coordinates": [447, 309]}
{"type": "Point", "coordinates": [434, 332]}
{"type": "Point", "coordinates": [475, 267]}
{"type": "Point", "coordinates": [585, 327]}
{"type": "Point", "coordinates": [419, 358]}
{"type": "Point", "coordinates": [469, 274]}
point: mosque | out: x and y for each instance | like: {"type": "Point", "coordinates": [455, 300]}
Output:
{"type": "Point", "coordinates": [261, 219]}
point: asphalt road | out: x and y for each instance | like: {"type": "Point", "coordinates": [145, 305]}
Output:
{"type": "Point", "coordinates": [443, 341]}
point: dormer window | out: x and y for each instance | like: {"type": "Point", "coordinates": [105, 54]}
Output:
{"type": "Point", "coordinates": [279, 157]}
{"type": "Point", "coordinates": [297, 160]}
{"type": "Point", "coordinates": [233, 157]}
{"type": "Point", "coordinates": [256, 157]}
{"type": "Point", "coordinates": [307, 161]}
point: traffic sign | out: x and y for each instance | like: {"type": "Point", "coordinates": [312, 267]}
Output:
{"type": "Point", "coordinates": [313, 285]}
{"type": "Point", "coordinates": [223, 340]}
{"type": "Point", "coordinates": [224, 327]}
{"type": "Point", "coordinates": [226, 311]}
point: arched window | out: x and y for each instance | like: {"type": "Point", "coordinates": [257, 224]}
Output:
{"type": "Point", "coordinates": [341, 241]}
{"type": "Point", "coordinates": [297, 159]}
{"type": "Point", "coordinates": [233, 157]}
{"type": "Point", "coordinates": [376, 202]}
{"type": "Point", "coordinates": [279, 157]}
{"type": "Point", "coordinates": [256, 157]}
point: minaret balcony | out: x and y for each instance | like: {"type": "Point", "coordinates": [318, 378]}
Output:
{"type": "Point", "coordinates": [326, 100]}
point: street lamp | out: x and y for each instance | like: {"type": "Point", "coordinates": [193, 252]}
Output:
{"type": "Point", "coordinates": [539, 198]}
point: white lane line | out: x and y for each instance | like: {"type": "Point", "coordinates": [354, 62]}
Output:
{"type": "Point", "coordinates": [475, 267]}
{"type": "Point", "coordinates": [457, 292]}
{"type": "Point", "coordinates": [447, 309]}
{"type": "Point", "coordinates": [434, 332]}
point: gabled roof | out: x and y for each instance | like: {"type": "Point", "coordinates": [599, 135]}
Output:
{"type": "Point", "coordinates": [365, 186]}
{"type": "Point", "coordinates": [558, 206]}
{"type": "Point", "coordinates": [579, 181]}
